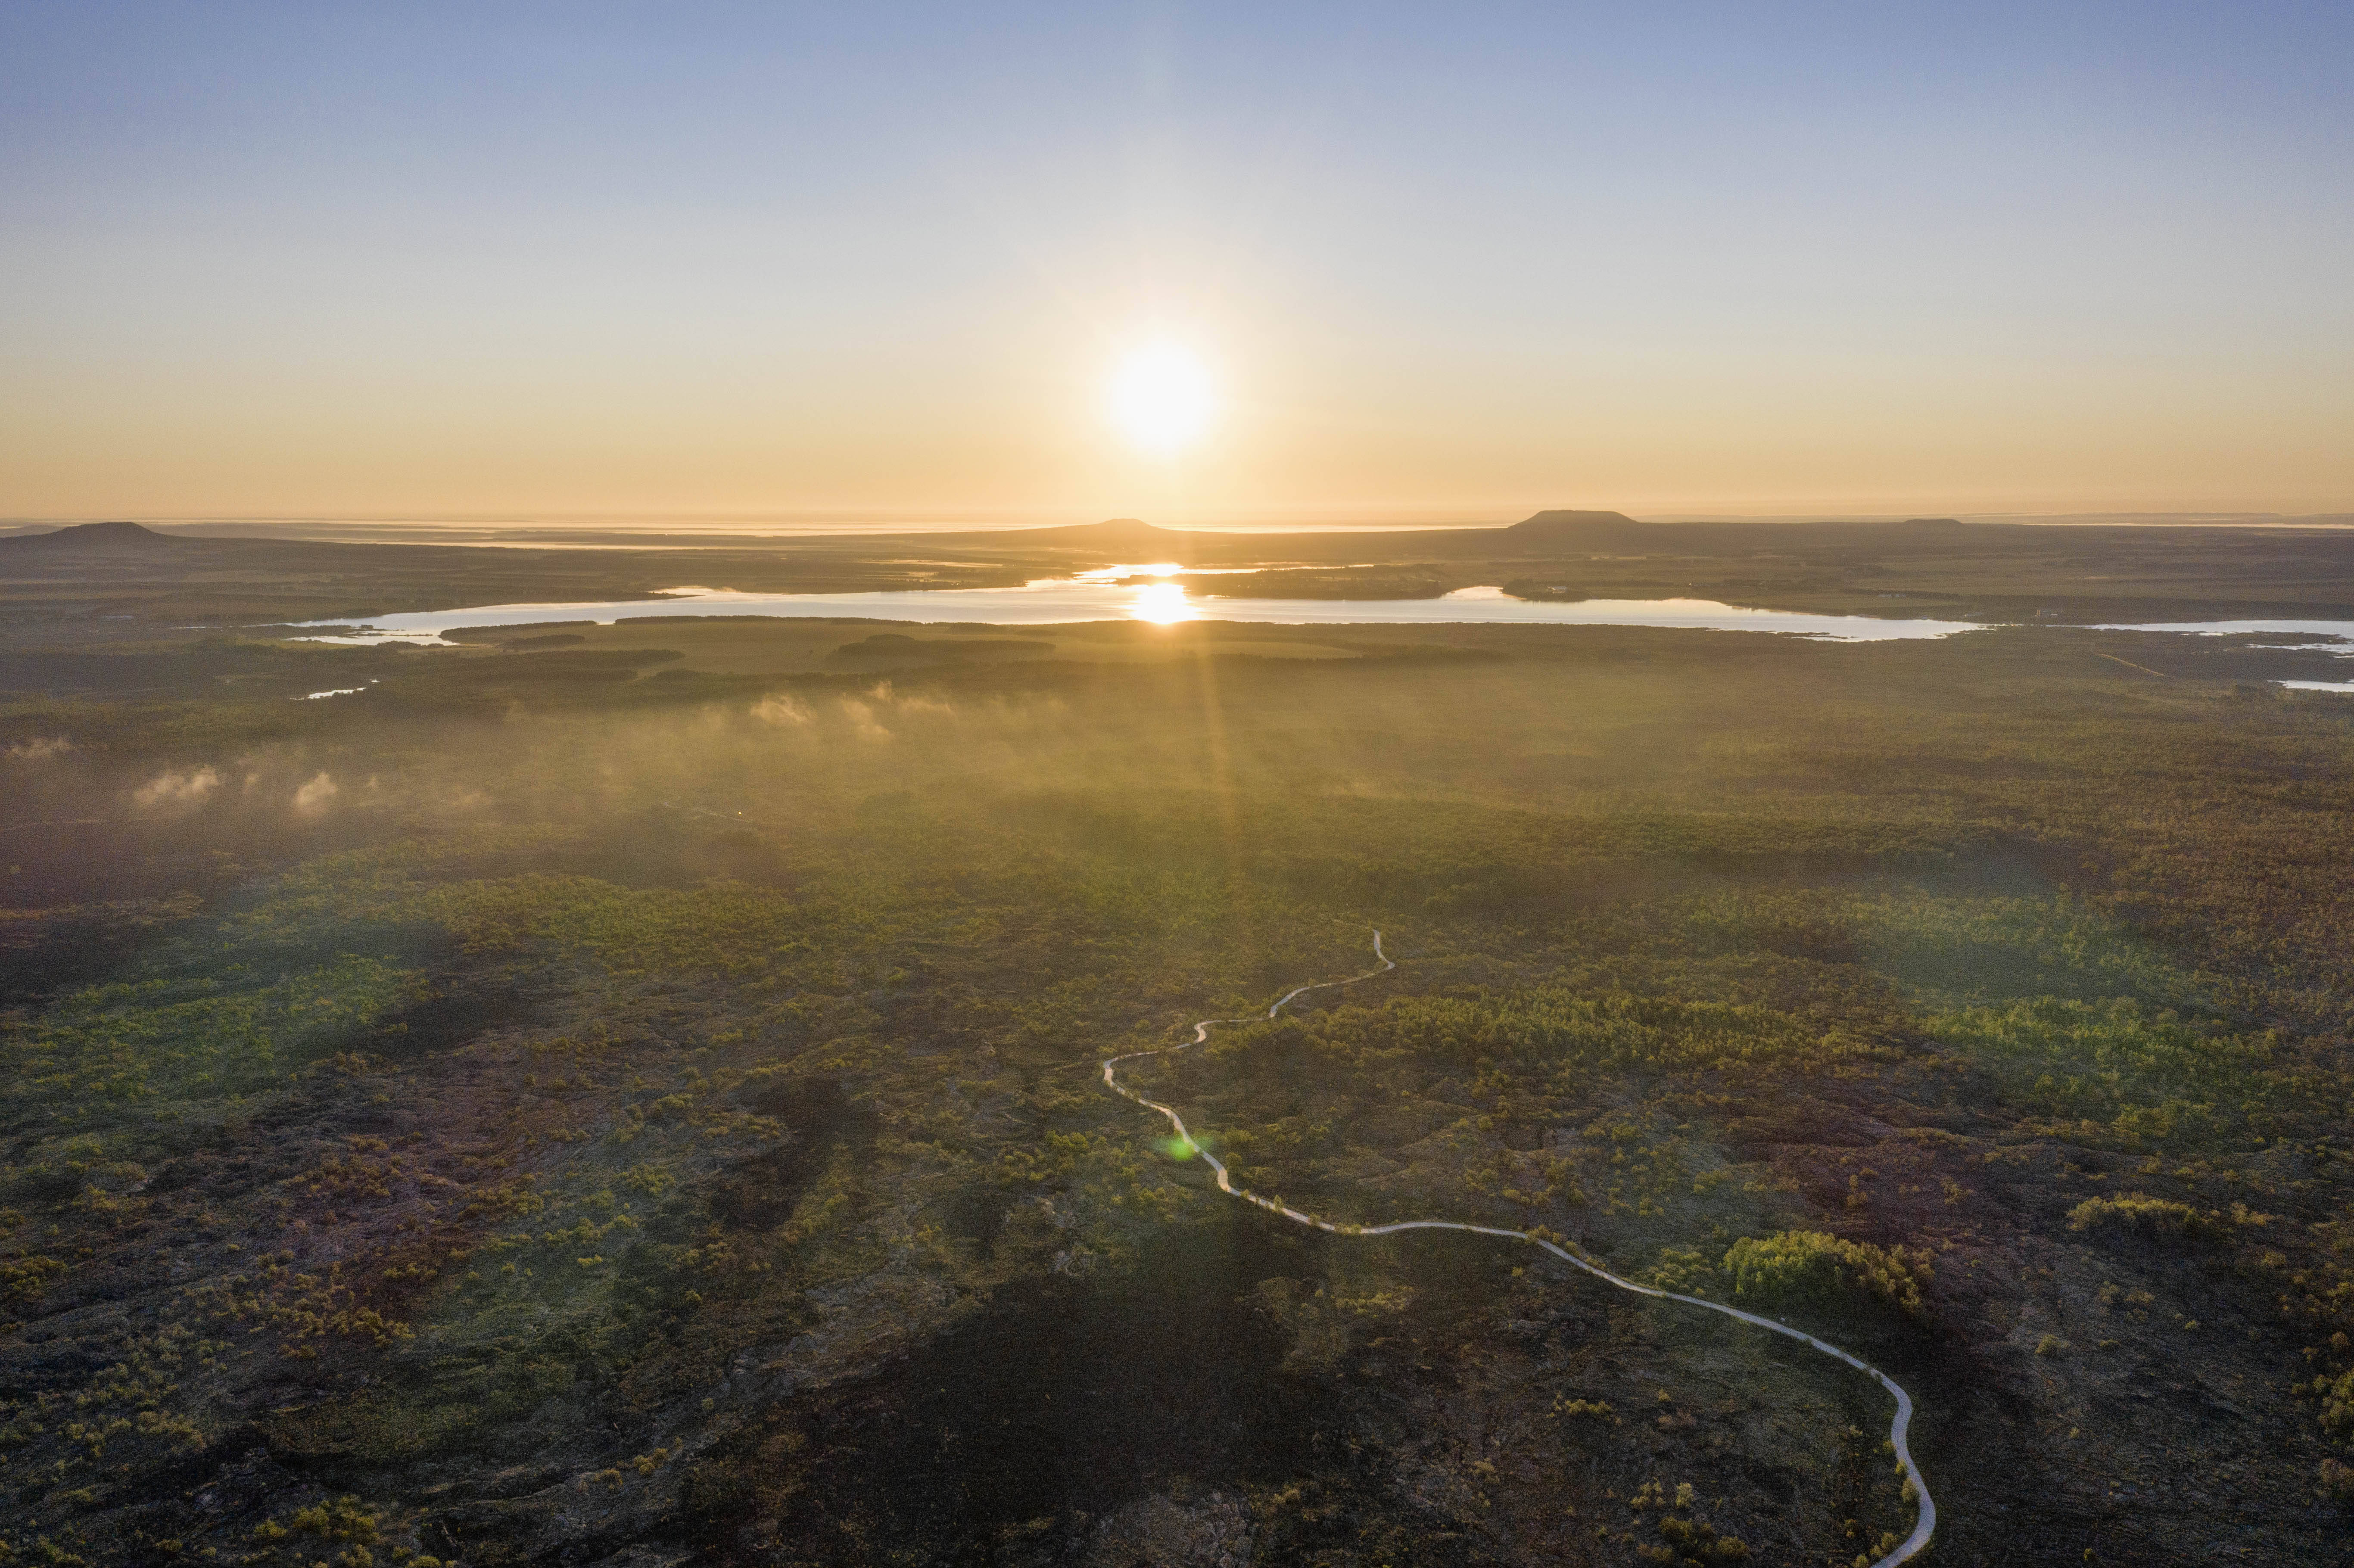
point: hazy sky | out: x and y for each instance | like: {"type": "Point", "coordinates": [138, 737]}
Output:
{"type": "Point", "coordinates": [1437, 260]}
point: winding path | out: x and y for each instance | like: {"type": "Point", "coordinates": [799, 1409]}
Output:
{"type": "Point", "coordinates": [1924, 1527]}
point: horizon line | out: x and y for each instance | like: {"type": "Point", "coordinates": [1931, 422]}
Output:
{"type": "Point", "coordinates": [808, 523]}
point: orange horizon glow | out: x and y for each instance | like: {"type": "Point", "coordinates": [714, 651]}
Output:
{"type": "Point", "coordinates": [1047, 271]}
{"type": "Point", "coordinates": [1353, 453]}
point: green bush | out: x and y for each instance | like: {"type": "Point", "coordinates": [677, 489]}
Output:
{"type": "Point", "coordinates": [1810, 1268]}
{"type": "Point", "coordinates": [2151, 1216]}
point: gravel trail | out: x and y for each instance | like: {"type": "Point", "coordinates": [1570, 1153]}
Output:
{"type": "Point", "coordinates": [1924, 1527]}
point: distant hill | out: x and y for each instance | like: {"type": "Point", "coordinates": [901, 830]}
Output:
{"type": "Point", "coordinates": [1130, 539]}
{"type": "Point", "coordinates": [96, 539]}
{"type": "Point", "coordinates": [1115, 531]}
{"type": "Point", "coordinates": [1575, 530]}
{"type": "Point", "coordinates": [1557, 522]}
{"type": "Point", "coordinates": [1115, 539]}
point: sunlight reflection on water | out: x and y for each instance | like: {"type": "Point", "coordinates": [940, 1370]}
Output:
{"type": "Point", "coordinates": [1112, 594]}
{"type": "Point", "coordinates": [1163, 603]}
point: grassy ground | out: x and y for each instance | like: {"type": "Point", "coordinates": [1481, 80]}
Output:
{"type": "Point", "coordinates": [583, 1107]}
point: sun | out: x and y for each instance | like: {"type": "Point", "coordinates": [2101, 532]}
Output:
{"type": "Point", "coordinates": [1161, 399]}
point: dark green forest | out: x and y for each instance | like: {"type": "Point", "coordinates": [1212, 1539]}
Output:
{"type": "Point", "coordinates": [561, 1104]}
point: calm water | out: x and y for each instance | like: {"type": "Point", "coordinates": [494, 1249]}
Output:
{"type": "Point", "coordinates": [2340, 630]}
{"type": "Point", "coordinates": [1113, 594]}
{"type": "Point", "coordinates": [1161, 594]}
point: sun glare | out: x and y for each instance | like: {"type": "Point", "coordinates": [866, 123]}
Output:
{"type": "Point", "coordinates": [1161, 398]}
{"type": "Point", "coordinates": [1163, 604]}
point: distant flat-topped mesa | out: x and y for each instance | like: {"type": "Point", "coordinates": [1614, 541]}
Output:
{"type": "Point", "coordinates": [96, 538]}
{"type": "Point", "coordinates": [1133, 539]}
{"type": "Point", "coordinates": [1568, 527]}
{"type": "Point", "coordinates": [1554, 533]}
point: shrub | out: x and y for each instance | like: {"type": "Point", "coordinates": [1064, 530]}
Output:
{"type": "Point", "coordinates": [2151, 1216]}
{"type": "Point", "coordinates": [1811, 1268]}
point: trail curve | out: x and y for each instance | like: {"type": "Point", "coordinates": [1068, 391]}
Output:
{"type": "Point", "coordinates": [1924, 1525]}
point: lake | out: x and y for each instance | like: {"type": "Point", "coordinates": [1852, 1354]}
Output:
{"type": "Point", "coordinates": [1139, 593]}
{"type": "Point", "coordinates": [1160, 594]}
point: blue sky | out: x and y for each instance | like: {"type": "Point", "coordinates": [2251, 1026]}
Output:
{"type": "Point", "coordinates": [446, 260]}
